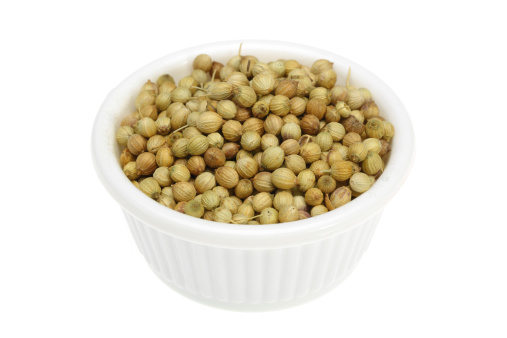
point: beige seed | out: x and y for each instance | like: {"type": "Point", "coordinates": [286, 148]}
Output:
{"type": "Point", "coordinates": [226, 177]}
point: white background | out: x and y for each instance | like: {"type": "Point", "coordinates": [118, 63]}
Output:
{"type": "Point", "coordinates": [437, 265]}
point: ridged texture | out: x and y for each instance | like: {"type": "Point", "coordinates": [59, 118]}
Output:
{"type": "Point", "coordinates": [219, 276]}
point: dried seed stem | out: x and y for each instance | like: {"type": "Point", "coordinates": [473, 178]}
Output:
{"type": "Point", "coordinates": [181, 128]}
{"type": "Point", "coordinates": [248, 219]}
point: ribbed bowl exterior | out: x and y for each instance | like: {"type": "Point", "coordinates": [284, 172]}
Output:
{"type": "Point", "coordinates": [252, 280]}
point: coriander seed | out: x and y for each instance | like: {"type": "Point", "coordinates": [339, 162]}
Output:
{"type": "Point", "coordinates": [263, 83]}
{"type": "Point", "coordinates": [272, 158]}
{"type": "Point", "coordinates": [230, 150]}
{"type": "Point", "coordinates": [232, 130]}
{"type": "Point", "coordinates": [360, 182]}
{"type": "Point", "coordinates": [269, 140]}
{"type": "Point", "coordinates": [260, 109]}
{"type": "Point", "coordinates": [226, 177]}
{"type": "Point", "coordinates": [372, 164]}
{"type": "Point", "coordinates": [291, 131]}
{"type": "Point", "coordinates": [197, 145]}
{"type": "Point", "coordinates": [254, 124]}
{"type": "Point", "coordinates": [227, 109]}
{"type": "Point", "coordinates": [130, 170]}
{"type": "Point", "coordinates": [295, 163]}
{"type": "Point", "coordinates": [183, 191]}
{"type": "Point", "coordinates": [357, 152]}
{"type": "Point", "coordinates": [196, 165]}
{"type": "Point", "coordinates": [262, 182]}
{"type": "Point", "coordinates": [310, 124]}
{"type": "Point", "coordinates": [204, 182]}
{"type": "Point", "coordinates": [279, 105]}
{"type": "Point", "coordinates": [194, 208]}
{"type": "Point", "coordinates": [375, 128]}
{"type": "Point", "coordinates": [268, 216]}
{"type": "Point", "coordinates": [215, 140]}
{"type": "Point", "coordinates": [246, 209]}
{"type": "Point", "coordinates": [314, 196]}
{"type": "Point", "coordinates": [283, 178]}
{"type": "Point", "coordinates": [222, 215]}
{"type": "Point", "coordinates": [338, 198]}
{"type": "Point", "coordinates": [155, 143]}
{"type": "Point", "coordinates": [388, 131]}
{"type": "Point", "coordinates": [319, 167]}
{"type": "Point", "coordinates": [351, 138]}
{"type": "Point", "coordinates": [244, 188]}
{"type": "Point", "coordinates": [318, 210]}
{"type": "Point", "coordinates": [123, 134]}
{"type": "Point", "coordinates": [150, 187]}
{"type": "Point", "coordinates": [162, 176]}
{"type": "Point", "coordinates": [210, 200]}
{"type": "Point", "coordinates": [146, 163]}
{"type": "Point", "coordinates": [261, 201]}
{"type": "Point", "coordinates": [326, 184]}
{"type": "Point", "coordinates": [290, 147]}
{"type": "Point", "coordinates": [244, 96]}
{"type": "Point", "coordinates": [209, 122]}
{"type": "Point", "coordinates": [273, 124]}
{"type": "Point", "coordinates": [282, 199]}
{"type": "Point", "coordinates": [179, 173]}
{"type": "Point", "coordinates": [164, 157]}
{"type": "Point", "coordinates": [297, 106]}
{"type": "Point", "coordinates": [310, 152]}
{"type": "Point", "coordinates": [126, 157]}
{"type": "Point", "coordinates": [247, 167]}
{"type": "Point", "coordinates": [250, 140]}
{"type": "Point", "coordinates": [306, 180]}
{"type": "Point", "coordinates": [288, 213]}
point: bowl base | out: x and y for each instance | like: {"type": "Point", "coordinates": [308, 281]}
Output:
{"type": "Point", "coordinates": [259, 307]}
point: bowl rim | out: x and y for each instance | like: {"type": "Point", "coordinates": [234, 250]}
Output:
{"type": "Point", "coordinates": [253, 237]}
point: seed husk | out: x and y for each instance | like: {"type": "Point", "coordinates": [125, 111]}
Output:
{"type": "Point", "coordinates": [183, 191]}
{"type": "Point", "coordinates": [247, 167]}
{"type": "Point", "coordinates": [244, 188]}
{"type": "Point", "coordinates": [209, 122]}
{"type": "Point", "coordinates": [283, 178]}
{"type": "Point", "coordinates": [272, 158]}
{"type": "Point", "coordinates": [314, 196]}
{"type": "Point", "coordinates": [194, 208]}
{"type": "Point", "coordinates": [268, 216]}
{"type": "Point", "coordinates": [288, 213]}
{"type": "Point", "coordinates": [262, 182]}
{"type": "Point", "coordinates": [226, 177]}
{"type": "Point", "coordinates": [306, 180]}
{"type": "Point", "coordinates": [295, 163]}
{"type": "Point", "coordinates": [222, 215]}
{"type": "Point", "coordinates": [210, 200]}
{"type": "Point", "coordinates": [373, 164]}
{"type": "Point", "coordinates": [146, 163]}
{"type": "Point", "coordinates": [326, 184]}
{"type": "Point", "coordinates": [360, 182]}
{"type": "Point", "coordinates": [204, 182]}
{"type": "Point", "coordinates": [261, 201]}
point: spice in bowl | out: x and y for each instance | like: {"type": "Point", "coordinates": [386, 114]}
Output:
{"type": "Point", "coordinates": [248, 142]}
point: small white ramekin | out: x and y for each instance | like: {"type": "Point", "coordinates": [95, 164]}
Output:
{"type": "Point", "coordinates": [250, 267]}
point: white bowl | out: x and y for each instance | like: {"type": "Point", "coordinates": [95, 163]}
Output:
{"type": "Point", "coordinates": [250, 267]}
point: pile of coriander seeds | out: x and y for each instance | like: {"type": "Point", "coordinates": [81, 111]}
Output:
{"type": "Point", "coordinates": [250, 142]}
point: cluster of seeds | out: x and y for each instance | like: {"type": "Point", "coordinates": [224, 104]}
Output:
{"type": "Point", "coordinates": [254, 143]}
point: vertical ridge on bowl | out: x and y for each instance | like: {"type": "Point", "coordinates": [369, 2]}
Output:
{"type": "Point", "coordinates": [252, 280]}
